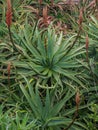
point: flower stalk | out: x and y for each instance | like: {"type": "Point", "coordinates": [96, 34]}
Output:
{"type": "Point", "coordinates": [77, 100]}
{"type": "Point", "coordinates": [78, 33]}
{"type": "Point", "coordinates": [9, 21]}
{"type": "Point", "coordinates": [87, 43]}
{"type": "Point", "coordinates": [8, 70]}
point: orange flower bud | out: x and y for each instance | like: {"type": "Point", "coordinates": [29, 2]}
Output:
{"type": "Point", "coordinates": [77, 98]}
{"type": "Point", "coordinates": [45, 16]}
{"type": "Point", "coordinates": [52, 1]}
{"type": "Point", "coordinates": [40, 1]}
{"type": "Point", "coordinates": [8, 13]}
{"type": "Point", "coordinates": [81, 17]}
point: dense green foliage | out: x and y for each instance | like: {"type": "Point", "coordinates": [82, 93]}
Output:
{"type": "Point", "coordinates": [48, 65]}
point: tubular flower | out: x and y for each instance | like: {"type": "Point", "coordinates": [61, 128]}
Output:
{"type": "Point", "coordinates": [9, 13]}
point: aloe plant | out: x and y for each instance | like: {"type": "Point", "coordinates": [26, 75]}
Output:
{"type": "Point", "coordinates": [18, 121]}
{"type": "Point", "coordinates": [45, 55]}
{"type": "Point", "coordinates": [93, 47]}
{"type": "Point", "coordinates": [48, 112]}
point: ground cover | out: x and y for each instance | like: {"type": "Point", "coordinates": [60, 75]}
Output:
{"type": "Point", "coordinates": [48, 65]}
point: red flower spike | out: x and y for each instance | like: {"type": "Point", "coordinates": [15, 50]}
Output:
{"type": "Point", "coordinates": [9, 13]}
{"type": "Point", "coordinates": [81, 17]}
{"type": "Point", "coordinates": [45, 16]}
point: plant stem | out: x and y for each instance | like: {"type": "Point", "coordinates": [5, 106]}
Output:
{"type": "Point", "coordinates": [74, 118]}
{"type": "Point", "coordinates": [11, 39]}
{"type": "Point", "coordinates": [93, 76]}
{"type": "Point", "coordinates": [74, 42]}
{"type": "Point", "coordinates": [38, 15]}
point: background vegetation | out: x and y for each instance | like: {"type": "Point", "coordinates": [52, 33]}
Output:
{"type": "Point", "coordinates": [48, 65]}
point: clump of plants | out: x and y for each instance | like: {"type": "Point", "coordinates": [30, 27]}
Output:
{"type": "Point", "coordinates": [48, 65]}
